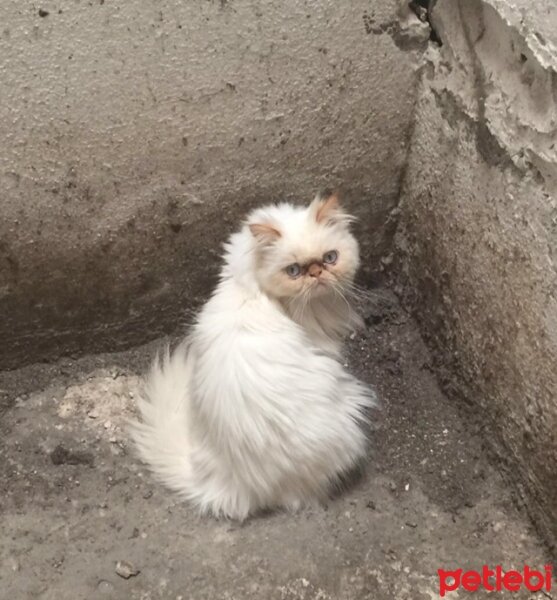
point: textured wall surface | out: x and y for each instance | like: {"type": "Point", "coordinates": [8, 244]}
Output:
{"type": "Point", "coordinates": [478, 236]}
{"type": "Point", "coordinates": [136, 134]}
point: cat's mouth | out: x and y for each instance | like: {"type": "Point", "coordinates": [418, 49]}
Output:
{"type": "Point", "coordinates": [320, 287]}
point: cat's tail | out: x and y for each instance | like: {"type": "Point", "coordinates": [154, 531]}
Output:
{"type": "Point", "coordinates": [161, 437]}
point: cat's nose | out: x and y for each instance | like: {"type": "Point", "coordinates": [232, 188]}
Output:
{"type": "Point", "coordinates": [315, 269]}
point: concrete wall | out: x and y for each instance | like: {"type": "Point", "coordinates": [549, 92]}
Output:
{"type": "Point", "coordinates": [136, 134]}
{"type": "Point", "coordinates": [477, 245]}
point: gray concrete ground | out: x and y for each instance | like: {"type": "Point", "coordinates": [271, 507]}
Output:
{"type": "Point", "coordinates": [75, 500]}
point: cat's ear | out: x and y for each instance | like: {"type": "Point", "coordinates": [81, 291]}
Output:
{"type": "Point", "coordinates": [327, 209]}
{"type": "Point", "coordinates": [264, 233]}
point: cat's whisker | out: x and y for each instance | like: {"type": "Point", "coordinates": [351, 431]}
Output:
{"type": "Point", "coordinates": [306, 299]}
{"type": "Point", "coordinates": [367, 293]}
{"type": "Point", "coordinates": [348, 287]}
{"type": "Point", "coordinates": [358, 293]}
{"type": "Point", "coordinates": [338, 290]}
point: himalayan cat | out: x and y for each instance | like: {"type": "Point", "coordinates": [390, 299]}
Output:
{"type": "Point", "coordinates": [253, 410]}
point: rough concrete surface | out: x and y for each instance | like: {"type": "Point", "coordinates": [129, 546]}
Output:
{"type": "Point", "coordinates": [78, 513]}
{"type": "Point", "coordinates": [135, 133]}
{"type": "Point", "coordinates": [477, 242]}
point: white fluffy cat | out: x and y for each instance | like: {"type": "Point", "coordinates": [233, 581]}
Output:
{"type": "Point", "coordinates": [253, 411]}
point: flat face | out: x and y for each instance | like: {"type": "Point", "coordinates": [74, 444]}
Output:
{"type": "Point", "coordinates": [304, 252]}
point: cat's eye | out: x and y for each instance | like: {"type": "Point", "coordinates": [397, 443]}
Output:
{"type": "Point", "coordinates": [293, 270]}
{"type": "Point", "coordinates": [331, 257]}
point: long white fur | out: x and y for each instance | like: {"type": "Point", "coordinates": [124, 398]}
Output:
{"type": "Point", "coordinates": [253, 411]}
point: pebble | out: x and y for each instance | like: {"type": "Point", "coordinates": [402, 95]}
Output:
{"type": "Point", "coordinates": [14, 563]}
{"type": "Point", "coordinates": [93, 414]}
{"type": "Point", "coordinates": [125, 569]}
{"type": "Point", "coordinates": [105, 587]}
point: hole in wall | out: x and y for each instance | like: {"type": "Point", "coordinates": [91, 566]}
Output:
{"type": "Point", "coordinates": [422, 9]}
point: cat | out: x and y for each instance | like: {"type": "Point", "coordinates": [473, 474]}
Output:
{"type": "Point", "coordinates": [254, 411]}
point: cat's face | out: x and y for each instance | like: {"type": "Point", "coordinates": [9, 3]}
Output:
{"type": "Point", "coordinates": [304, 252]}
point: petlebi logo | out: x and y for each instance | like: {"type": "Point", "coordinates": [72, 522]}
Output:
{"type": "Point", "coordinates": [495, 580]}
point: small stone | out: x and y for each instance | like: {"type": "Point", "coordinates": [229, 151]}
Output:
{"type": "Point", "coordinates": [406, 487]}
{"type": "Point", "coordinates": [371, 504]}
{"type": "Point", "coordinates": [105, 587]}
{"type": "Point", "coordinates": [58, 561]}
{"type": "Point", "coordinates": [147, 494]}
{"type": "Point", "coordinates": [93, 414]}
{"type": "Point", "coordinates": [125, 569]}
{"type": "Point", "coordinates": [107, 425]}
{"type": "Point", "coordinates": [412, 524]}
